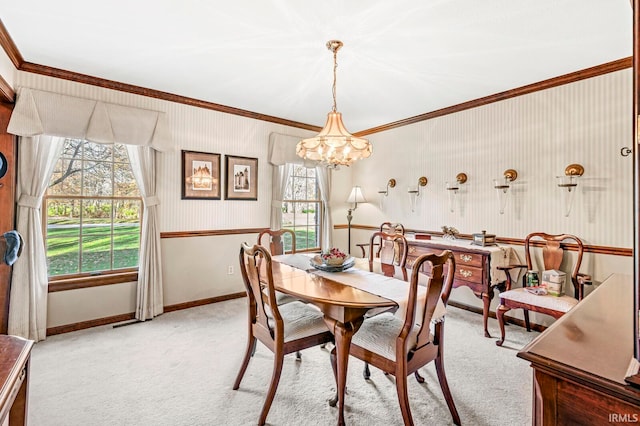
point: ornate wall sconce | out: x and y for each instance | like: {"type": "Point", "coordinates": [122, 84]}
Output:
{"type": "Point", "coordinates": [414, 192]}
{"type": "Point", "coordinates": [569, 182]}
{"type": "Point", "coordinates": [385, 192]}
{"type": "Point", "coordinates": [453, 188]}
{"type": "Point", "coordinates": [502, 187]}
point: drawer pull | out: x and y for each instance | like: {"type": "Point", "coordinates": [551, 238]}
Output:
{"type": "Point", "coordinates": [465, 273]}
{"type": "Point", "coordinates": [466, 257]}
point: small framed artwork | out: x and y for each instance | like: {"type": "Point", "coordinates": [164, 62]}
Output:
{"type": "Point", "coordinates": [242, 178]}
{"type": "Point", "coordinates": [200, 176]}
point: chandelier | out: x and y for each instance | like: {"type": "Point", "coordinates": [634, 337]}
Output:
{"type": "Point", "coordinates": [334, 146]}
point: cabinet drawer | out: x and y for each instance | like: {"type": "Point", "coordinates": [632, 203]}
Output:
{"type": "Point", "coordinates": [468, 273]}
{"type": "Point", "coordinates": [468, 259]}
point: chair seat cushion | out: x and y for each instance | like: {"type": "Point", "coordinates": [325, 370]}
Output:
{"type": "Point", "coordinates": [560, 304]}
{"type": "Point", "coordinates": [300, 320]}
{"type": "Point", "coordinates": [378, 335]}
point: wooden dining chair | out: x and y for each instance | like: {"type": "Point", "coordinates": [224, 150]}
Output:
{"type": "Point", "coordinates": [281, 328]}
{"type": "Point", "coordinates": [277, 240]}
{"type": "Point", "coordinates": [389, 228]}
{"type": "Point", "coordinates": [391, 253]}
{"type": "Point", "coordinates": [552, 256]}
{"type": "Point", "coordinates": [400, 346]}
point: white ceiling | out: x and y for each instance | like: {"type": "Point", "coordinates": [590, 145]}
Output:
{"type": "Point", "coordinates": [400, 58]}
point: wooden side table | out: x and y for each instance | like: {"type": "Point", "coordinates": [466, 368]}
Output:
{"type": "Point", "coordinates": [15, 353]}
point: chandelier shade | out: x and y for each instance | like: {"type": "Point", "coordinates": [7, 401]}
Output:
{"type": "Point", "coordinates": [334, 145]}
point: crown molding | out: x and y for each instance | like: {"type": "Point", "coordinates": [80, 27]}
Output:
{"type": "Point", "coordinates": [598, 70]}
{"type": "Point", "coordinates": [10, 47]}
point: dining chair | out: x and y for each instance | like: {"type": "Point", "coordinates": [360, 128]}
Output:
{"type": "Point", "coordinates": [552, 258]}
{"type": "Point", "coordinates": [400, 346]}
{"type": "Point", "coordinates": [391, 253]}
{"type": "Point", "coordinates": [283, 329]}
{"type": "Point", "coordinates": [389, 228]}
{"type": "Point", "coordinates": [277, 241]}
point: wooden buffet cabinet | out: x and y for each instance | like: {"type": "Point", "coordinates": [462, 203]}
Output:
{"type": "Point", "coordinates": [580, 362]}
{"type": "Point", "coordinates": [15, 353]}
{"type": "Point", "coordinates": [476, 266]}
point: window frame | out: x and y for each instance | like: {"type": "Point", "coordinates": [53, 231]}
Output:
{"type": "Point", "coordinates": [95, 278]}
{"type": "Point", "coordinates": [319, 211]}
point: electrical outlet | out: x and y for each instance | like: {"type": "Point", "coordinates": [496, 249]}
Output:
{"type": "Point", "coordinates": [230, 270]}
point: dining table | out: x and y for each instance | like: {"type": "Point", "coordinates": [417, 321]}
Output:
{"type": "Point", "coordinates": [345, 297]}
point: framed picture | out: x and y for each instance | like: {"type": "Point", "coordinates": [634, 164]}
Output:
{"type": "Point", "coordinates": [200, 176]}
{"type": "Point", "coordinates": [242, 178]}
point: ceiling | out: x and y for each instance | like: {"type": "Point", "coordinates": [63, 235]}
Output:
{"type": "Point", "coordinates": [400, 58]}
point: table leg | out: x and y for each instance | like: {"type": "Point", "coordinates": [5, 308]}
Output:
{"type": "Point", "coordinates": [343, 334]}
{"type": "Point", "coordinates": [486, 299]}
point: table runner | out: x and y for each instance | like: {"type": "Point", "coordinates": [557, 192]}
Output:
{"type": "Point", "coordinates": [378, 284]}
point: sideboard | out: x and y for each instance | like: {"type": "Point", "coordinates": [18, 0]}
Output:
{"type": "Point", "coordinates": [15, 353]}
{"type": "Point", "coordinates": [476, 266]}
{"type": "Point", "coordinates": [580, 362]}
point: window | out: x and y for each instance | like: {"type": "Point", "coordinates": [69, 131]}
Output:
{"type": "Point", "coordinates": [302, 208]}
{"type": "Point", "coordinates": [92, 211]}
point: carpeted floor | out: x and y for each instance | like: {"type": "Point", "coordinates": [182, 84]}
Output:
{"type": "Point", "coordinates": [179, 368]}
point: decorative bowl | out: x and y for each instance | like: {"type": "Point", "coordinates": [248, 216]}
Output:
{"type": "Point", "coordinates": [333, 257]}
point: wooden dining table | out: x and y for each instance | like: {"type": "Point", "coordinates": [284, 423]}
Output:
{"type": "Point", "coordinates": [343, 297]}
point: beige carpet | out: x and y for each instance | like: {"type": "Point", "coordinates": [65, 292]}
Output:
{"type": "Point", "coordinates": [179, 368]}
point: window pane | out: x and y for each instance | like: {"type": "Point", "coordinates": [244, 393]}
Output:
{"type": "Point", "coordinates": [124, 182]}
{"type": "Point", "coordinates": [96, 253]}
{"type": "Point", "coordinates": [299, 170]}
{"type": "Point", "coordinates": [120, 154]}
{"type": "Point", "coordinates": [98, 151]}
{"type": "Point", "coordinates": [65, 179]}
{"type": "Point", "coordinates": [72, 149]}
{"type": "Point", "coordinates": [63, 255]}
{"type": "Point", "coordinates": [97, 213]}
{"type": "Point", "coordinates": [126, 243]}
{"type": "Point", "coordinates": [97, 179]}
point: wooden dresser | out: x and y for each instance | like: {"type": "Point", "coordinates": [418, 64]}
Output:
{"type": "Point", "coordinates": [476, 266]}
{"type": "Point", "coordinates": [15, 353]}
{"type": "Point", "coordinates": [580, 362]}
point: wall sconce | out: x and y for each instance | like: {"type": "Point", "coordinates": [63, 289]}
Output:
{"type": "Point", "coordinates": [453, 188]}
{"type": "Point", "coordinates": [569, 182]}
{"type": "Point", "coordinates": [502, 187]}
{"type": "Point", "coordinates": [414, 192]}
{"type": "Point", "coordinates": [385, 192]}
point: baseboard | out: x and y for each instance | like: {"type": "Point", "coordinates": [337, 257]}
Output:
{"type": "Point", "coordinates": [508, 319]}
{"type": "Point", "coordinates": [130, 316]}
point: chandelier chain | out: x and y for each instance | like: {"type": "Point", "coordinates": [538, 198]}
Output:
{"type": "Point", "coordinates": [335, 67]}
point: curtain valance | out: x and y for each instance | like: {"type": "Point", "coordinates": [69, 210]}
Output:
{"type": "Point", "coordinates": [282, 150]}
{"type": "Point", "coordinates": [39, 112]}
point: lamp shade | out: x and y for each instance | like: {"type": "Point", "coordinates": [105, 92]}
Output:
{"type": "Point", "coordinates": [356, 196]}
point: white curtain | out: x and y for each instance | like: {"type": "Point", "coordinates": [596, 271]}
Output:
{"type": "Point", "coordinates": [28, 299]}
{"type": "Point", "coordinates": [279, 186]}
{"type": "Point", "coordinates": [324, 182]}
{"type": "Point", "coordinates": [149, 301]}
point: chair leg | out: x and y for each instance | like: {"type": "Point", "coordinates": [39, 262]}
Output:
{"type": "Point", "coordinates": [419, 378]}
{"type": "Point", "coordinates": [403, 399]}
{"type": "Point", "coordinates": [526, 320]}
{"type": "Point", "coordinates": [366, 372]}
{"type": "Point", "coordinates": [251, 347]}
{"type": "Point", "coordinates": [278, 357]}
{"type": "Point", "coordinates": [500, 315]}
{"type": "Point", "coordinates": [444, 385]}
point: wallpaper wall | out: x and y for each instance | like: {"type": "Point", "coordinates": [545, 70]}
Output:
{"type": "Point", "coordinates": [539, 134]}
